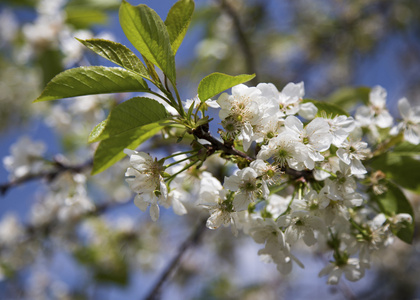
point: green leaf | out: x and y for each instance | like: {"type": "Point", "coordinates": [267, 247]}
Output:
{"type": "Point", "coordinates": [349, 97]}
{"type": "Point", "coordinates": [400, 168]}
{"type": "Point", "coordinates": [117, 53]}
{"type": "Point", "coordinates": [95, 4]}
{"type": "Point", "coordinates": [393, 202]}
{"type": "Point", "coordinates": [111, 149]}
{"type": "Point", "coordinates": [216, 83]}
{"type": "Point", "coordinates": [406, 149]}
{"type": "Point", "coordinates": [97, 133]}
{"type": "Point", "coordinates": [133, 113]}
{"type": "Point", "coordinates": [92, 80]}
{"type": "Point", "coordinates": [50, 62]}
{"type": "Point", "coordinates": [147, 32]}
{"type": "Point", "coordinates": [329, 109]}
{"type": "Point", "coordinates": [178, 20]}
{"type": "Point", "coordinates": [31, 3]}
{"type": "Point", "coordinates": [128, 125]}
{"type": "Point", "coordinates": [84, 17]}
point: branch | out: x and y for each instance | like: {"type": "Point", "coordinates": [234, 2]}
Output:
{"type": "Point", "coordinates": [202, 133]}
{"type": "Point", "coordinates": [192, 240]}
{"type": "Point", "coordinates": [99, 209]}
{"type": "Point", "coordinates": [243, 40]}
{"type": "Point", "coordinates": [49, 175]}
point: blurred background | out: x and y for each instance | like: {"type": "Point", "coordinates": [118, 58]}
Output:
{"type": "Point", "coordinates": [71, 236]}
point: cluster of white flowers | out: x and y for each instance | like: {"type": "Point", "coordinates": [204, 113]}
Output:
{"type": "Point", "coordinates": [302, 184]}
{"type": "Point", "coordinates": [26, 158]}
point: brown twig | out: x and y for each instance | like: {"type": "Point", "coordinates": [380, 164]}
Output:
{"type": "Point", "coordinates": [203, 133]}
{"type": "Point", "coordinates": [243, 40]}
{"type": "Point", "coordinates": [192, 240]}
{"type": "Point", "coordinates": [49, 175]}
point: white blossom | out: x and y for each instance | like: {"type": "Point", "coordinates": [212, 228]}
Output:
{"type": "Point", "coordinates": [26, 158]}
{"type": "Point", "coordinates": [144, 178]}
{"type": "Point", "coordinates": [214, 198]}
{"type": "Point", "coordinates": [351, 270]}
{"type": "Point", "coordinates": [410, 124]}
{"type": "Point", "coordinates": [245, 183]}
{"type": "Point", "coordinates": [352, 153]}
{"type": "Point", "coordinates": [301, 225]}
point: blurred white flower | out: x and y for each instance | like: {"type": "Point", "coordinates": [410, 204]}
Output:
{"type": "Point", "coordinates": [26, 158]}
{"type": "Point", "coordinates": [410, 124]}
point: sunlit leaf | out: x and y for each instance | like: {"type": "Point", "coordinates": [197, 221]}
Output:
{"type": "Point", "coordinates": [216, 83]}
{"type": "Point", "coordinates": [111, 149]}
{"type": "Point", "coordinates": [117, 53]}
{"type": "Point", "coordinates": [128, 125]}
{"type": "Point", "coordinates": [84, 17]}
{"type": "Point", "coordinates": [96, 4]}
{"type": "Point", "coordinates": [92, 80]}
{"type": "Point", "coordinates": [178, 20]}
{"type": "Point", "coordinates": [96, 134]}
{"type": "Point", "coordinates": [147, 32]}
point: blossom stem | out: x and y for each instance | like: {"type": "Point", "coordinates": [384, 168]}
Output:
{"type": "Point", "coordinates": [279, 188]}
{"type": "Point", "coordinates": [170, 178]}
{"type": "Point", "coordinates": [197, 110]}
{"type": "Point", "coordinates": [179, 161]}
{"type": "Point", "coordinates": [178, 153]}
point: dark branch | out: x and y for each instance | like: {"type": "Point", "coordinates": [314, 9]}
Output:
{"type": "Point", "coordinates": [49, 175]}
{"type": "Point", "coordinates": [192, 240]}
{"type": "Point", "coordinates": [33, 231]}
{"type": "Point", "coordinates": [245, 45]}
{"type": "Point", "coordinates": [216, 145]}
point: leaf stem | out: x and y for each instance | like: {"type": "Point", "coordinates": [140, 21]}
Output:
{"type": "Point", "coordinates": [181, 109]}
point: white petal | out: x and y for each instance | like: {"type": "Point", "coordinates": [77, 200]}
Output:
{"type": "Point", "coordinates": [357, 168]}
{"type": "Point", "coordinates": [154, 212]}
{"type": "Point", "coordinates": [308, 110]}
{"type": "Point", "coordinates": [384, 119]}
{"type": "Point", "coordinates": [178, 207]}
{"type": "Point", "coordinates": [411, 136]}
{"type": "Point", "coordinates": [309, 237]}
{"type": "Point", "coordinates": [334, 276]}
{"type": "Point", "coordinates": [404, 108]}
{"type": "Point", "coordinates": [294, 124]}
{"type": "Point", "coordinates": [294, 90]}
{"type": "Point", "coordinates": [140, 203]}
{"type": "Point", "coordinates": [353, 272]}
{"type": "Point", "coordinates": [343, 155]}
{"type": "Point", "coordinates": [241, 202]}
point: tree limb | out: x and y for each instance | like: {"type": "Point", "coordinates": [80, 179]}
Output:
{"type": "Point", "coordinates": [49, 175]}
{"type": "Point", "coordinates": [192, 240]}
{"type": "Point", "coordinates": [245, 45]}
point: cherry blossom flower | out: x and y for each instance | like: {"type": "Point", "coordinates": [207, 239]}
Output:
{"type": "Point", "coordinates": [351, 270]}
{"type": "Point", "coordinates": [410, 124]}
{"type": "Point", "coordinates": [245, 183]}
{"type": "Point", "coordinates": [144, 178]}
